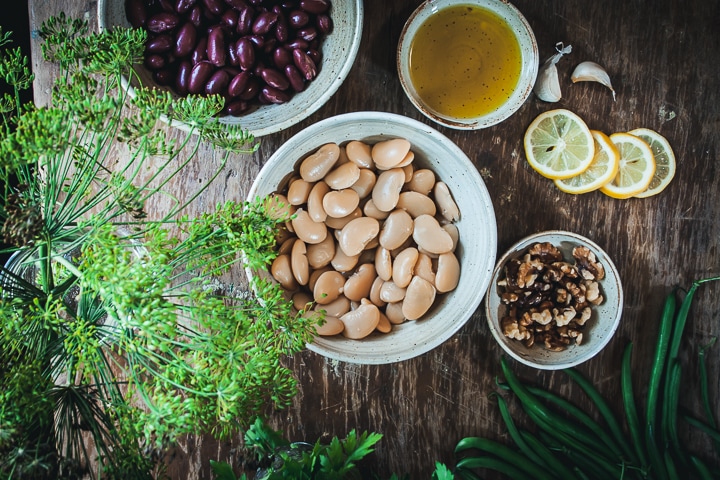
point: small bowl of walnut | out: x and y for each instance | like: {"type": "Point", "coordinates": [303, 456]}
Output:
{"type": "Point", "coordinates": [555, 300]}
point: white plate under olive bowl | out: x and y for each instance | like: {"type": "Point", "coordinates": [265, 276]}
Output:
{"type": "Point", "coordinates": [511, 73]}
{"type": "Point", "coordinates": [339, 49]}
{"type": "Point", "coordinates": [598, 330]}
{"type": "Point", "coordinates": [476, 226]}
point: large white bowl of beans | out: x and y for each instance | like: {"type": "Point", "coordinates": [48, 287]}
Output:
{"type": "Point", "coordinates": [393, 234]}
{"type": "Point", "coordinates": [275, 63]}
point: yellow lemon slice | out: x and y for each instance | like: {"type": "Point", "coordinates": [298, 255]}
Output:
{"type": "Point", "coordinates": [636, 168]}
{"type": "Point", "coordinates": [664, 161]}
{"type": "Point", "coordinates": [602, 169]}
{"type": "Point", "coordinates": [558, 144]}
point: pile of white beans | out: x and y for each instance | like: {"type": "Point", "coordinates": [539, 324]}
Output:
{"type": "Point", "coordinates": [371, 241]}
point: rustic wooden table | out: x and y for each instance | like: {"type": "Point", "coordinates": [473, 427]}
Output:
{"type": "Point", "coordinates": [663, 57]}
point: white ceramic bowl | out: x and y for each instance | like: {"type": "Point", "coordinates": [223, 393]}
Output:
{"type": "Point", "coordinates": [599, 329]}
{"type": "Point", "coordinates": [528, 71]}
{"type": "Point", "coordinates": [477, 227]}
{"type": "Point", "coordinates": [339, 50]}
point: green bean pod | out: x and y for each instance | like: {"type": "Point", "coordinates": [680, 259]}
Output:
{"type": "Point", "coordinates": [658, 366]}
{"type": "Point", "coordinates": [516, 435]}
{"type": "Point", "coordinates": [551, 461]}
{"type": "Point", "coordinates": [503, 453]}
{"type": "Point", "coordinates": [713, 433]}
{"type": "Point", "coordinates": [493, 464]}
{"type": "Point", "coordinates": [631, 414]}
{"type": "Point", "coordinates": [657, 464]}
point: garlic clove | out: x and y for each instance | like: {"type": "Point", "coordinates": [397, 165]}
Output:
{"type": "Point", "coordinates": [592, 72]}
{"type": "Point", "coordinates": [547, 85]}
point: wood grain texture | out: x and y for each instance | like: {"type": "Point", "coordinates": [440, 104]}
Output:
{"type": "Point", "coordinates": [664, 61]}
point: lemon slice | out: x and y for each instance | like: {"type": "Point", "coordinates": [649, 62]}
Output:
{"type": "Point", "coordinates": [558, 144]}
{"type": "Point", "coordinates": [664, 161]}
{"type": "Point", "coordinates": [636, 168]}
{"type": "Point", "coordinates": [602, 169]}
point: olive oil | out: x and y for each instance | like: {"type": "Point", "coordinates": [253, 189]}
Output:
{"type": "Point", "coordinates": [465, 61]}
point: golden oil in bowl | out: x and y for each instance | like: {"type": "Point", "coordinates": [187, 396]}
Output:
{"type": "Point", "coordinates": [465, 61]}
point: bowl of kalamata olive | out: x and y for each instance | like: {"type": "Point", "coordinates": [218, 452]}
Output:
{"type": "Point", "coordinates": [392, 236]}
{"type": "Point", "coordinates": [275, 63]}
{"type": "Point", "coordinates": [555, 300]}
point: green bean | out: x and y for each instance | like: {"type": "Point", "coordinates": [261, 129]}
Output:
{"type": "Point", "coordinates": [493, 464]}
{"type": "Point", "coordinates": [469, 475]}
{"type": "Point", "coordinates": [602, 406]}
{"type": "Point", "coordinates": [630, 407]}
{"type": "Point", "coordinates": [670, 466]}
{"type": "Point", "coordinates": [707, 429]}
{"type": "Point", "coordinates": [657, 465]}
{"type": "Point", "coordinates": [503, 453]}
{"type": "Point", "coordinates": [703, 471]}
{"type": "Point", "coordinates": [551, 461]}
{"type": "Point", "coordinates": [669, 406]}
{"type": "Point", "coordinates": [704, 393]}
{"type": "Point", "coordinates": [661, 351]}
{"type": "Point", "coordinates": [515, 433]}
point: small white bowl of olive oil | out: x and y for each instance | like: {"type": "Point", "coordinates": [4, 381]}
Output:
{"type": "Point", "coordinates": [467, 64]}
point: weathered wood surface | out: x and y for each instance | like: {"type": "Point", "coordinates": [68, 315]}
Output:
{"type": "Point", "coordinates": [664, 60]}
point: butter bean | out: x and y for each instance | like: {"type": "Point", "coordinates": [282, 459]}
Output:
{"type": "Point", "coordinates": [390, 153]}
{"type": "Point", "coordinates": [416, 204]}
{"type": "Point", "coordinates": [281, 270]}
{"type": "Point", "coordinates": [340, 203]}
{"type": "Point", "coordinates": [315, 201]}
{"type": "Point", "coordinates": [387, 188]}
{"type": "Point", "coordinates": [330, 326]}
{"type": "Point", "coordinates": [391, 292]}
{"type": "Point", "coordinates": [339, 223]}
{"type": "Point", "coordinates": [318, 164]}
{"type": "Point", "coordinates": [320, 254]}
{"type": "Point", "coordinates": [359, 153]}
{"type": "Point", "coordinates": [430, 236]}
{"type": "Point", "coordinates": [408, 170]}
{"type": "Point", "coordinates": [358, 285]}
{"type": "Point", "coordinates": [422, 181]}
{"type": "Point", "coordinates": [343, 176]}
{"type": "Point", "coordinates": [397, 228]}
{"type": "Point", "coordinates": [375, 292]}
{"type": "Point", "coordinates": [357, 234]}
{"type": "Point", "coordinates": [419, 297]}
{"type": "Point", "coordinates": [393, 311]}
{"type": "Point", "coordinates": [383, 263]}
{"type": "Point", "coordinates": [454, 233]}
{"type": "Point", "coordinates": [298, 191]}
{"type": "Point", "coordinates": [277, 207]}
{"type": "Point", "coordinates": [448, 208]}
{"type": "Point", "coordinates": [301, 301]}
{"type": "Point", "coordinates": [343, 262]}
{"type": "Point", "coordinates": [315, 274]}
{"type": "Point", "coordinates": [424, 268]}
{"type": "Point", "coordinates": [299, 262]}
{"type": "Point", "coordinates": [365, 182]}
{"type": "Point", "coordinates": [287, 245]}
{"type": "Point", "coordinates": [371, 210]}
{"type": "Point", "coordinates": [403, 267]}
{"type": "Point", "coordinates": [308, 230]}
{"type": "Point", "coordinates": [328, 287]}
{"type": "Point", "coordinates": [361, 322]}
{"type": "Point", "coordinates": [448, 273]}
{"type": "Point", "coordinates": [337, 308]}
{"type": "Point", "coordinates": [384, 325]}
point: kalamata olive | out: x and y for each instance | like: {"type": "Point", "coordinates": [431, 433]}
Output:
{"type": "Point", "coordinates": [155, 61]}
{"type": "Point", "coordinates": [305, 64]}
{"type": "Point", "coordinates": [159, 44]}
{"type": "Point", "coordinates": [217, 83]}
{"type": "Point", "coordinates": [182, 80]}
{"type": "Point", "coordinates": [298, 18]}
{"type": "Point", "coordinates": [245, 52]}
{"type": "Point", "coordinates": [315, 6]}
{"type": "Point", "coordinates": [136, 13]}
{"type": "Point", "coordinates": [164, 77]}
{"type": "Point", "coordinates": [216, 7]}
{"type": "Point", "coordinates": [281, 57]}
{"type": "Point", "coordinates": [184, 6]}
{"type": "Point", "coordinates": [216, 47]}
{"type": "Point", "coordinates": [308, 33]}
{"type": "Point", "coordinates": [162, 22]}
{"type": "Point", "coordinates": [324, 23]}
{"type": "Point", "coordinates": [200, 52]}
{"type": "Point", "coordinates": [264, 22]}
{"type": "Point", "coordinates": [246, 17]}
{"type": "Point", "coordinates": [238, 84]}
{"type": "Point", "coordinates": [185, 40]}
{"type": "Point", "coordinates": [297, 82]}
{"type": "Point", "coordinates": [274, 95]}
{"type": "Point", "coordinates": [236, 108]}
{"type": "Point", "coordinates": [199, 76]}
{"type": "Point", "coordinates": [274, 79]}
{"type": "Point", "coordinates": [195, 16]}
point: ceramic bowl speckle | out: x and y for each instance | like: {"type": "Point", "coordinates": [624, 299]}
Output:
{"type": "Point", "coordinates": [477, 227]}
{"type": "Point", "coordinates": [599, 329]}
{"type": "Point", "coordinates": [339, 50]}
{"type": "Point", "coordinates": [528, 68]}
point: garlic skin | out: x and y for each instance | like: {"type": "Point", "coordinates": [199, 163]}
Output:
{"type": "Point", "coordinates": [547, 85]}
{"type": "Point", "coordinates": [592, 72]}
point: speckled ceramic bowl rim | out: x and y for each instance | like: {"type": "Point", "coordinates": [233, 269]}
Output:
{"type": "Point", "coordinates": [528, 72]}
{"type": "Point", "coordinates": [275, 118]}
{"type": "Point", "coordinates": [477, 226]}
{"type": "Point", "coordinates": [611, 286]}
